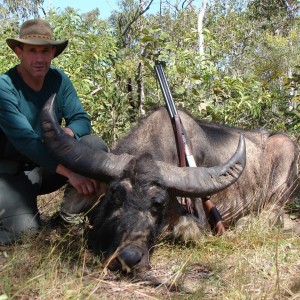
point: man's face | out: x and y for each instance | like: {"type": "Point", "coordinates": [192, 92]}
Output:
{"type": "Point", "coordinates": [35, 60]}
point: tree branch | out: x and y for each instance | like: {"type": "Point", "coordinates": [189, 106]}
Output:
{"type": "Point", "coordinates": [138, 13]}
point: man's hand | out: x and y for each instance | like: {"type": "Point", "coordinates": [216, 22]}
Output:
{"type": "Point", "coordinates": [68, 131]}
{"type": "Point", "coordinates": [82, 184]}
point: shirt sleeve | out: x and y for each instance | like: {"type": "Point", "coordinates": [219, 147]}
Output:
{"type": "Point", "coordinates": [71, 108]}
{"type": "Point", "coordinates": [19, 131]}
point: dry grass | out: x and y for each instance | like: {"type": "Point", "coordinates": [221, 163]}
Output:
{"type": "Point", "coordinates": [255, 263]}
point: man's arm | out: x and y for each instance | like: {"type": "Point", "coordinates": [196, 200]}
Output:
{"type": "Point", "coordinates": [71, 109]}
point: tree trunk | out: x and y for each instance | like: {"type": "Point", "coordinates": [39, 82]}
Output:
{"type": "Point", "coordinates": [140, 79]}
{"type": "Point", "coordinates": [200, 28]}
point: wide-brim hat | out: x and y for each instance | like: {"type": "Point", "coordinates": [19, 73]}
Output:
{"type": "Point", "coordinates": [37, 32]}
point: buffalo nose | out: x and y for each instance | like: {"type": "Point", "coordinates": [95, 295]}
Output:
{"type": "Point", "coordinates": [131, 256]}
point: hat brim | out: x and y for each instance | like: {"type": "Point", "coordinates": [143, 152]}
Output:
{"type": "Point", "coordinates": [59, 44]}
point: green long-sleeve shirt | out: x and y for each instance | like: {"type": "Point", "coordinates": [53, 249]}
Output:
{"type": "Point", "coordinates": [20, 108]}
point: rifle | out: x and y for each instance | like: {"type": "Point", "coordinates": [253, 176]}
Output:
{"type": "Point", "coordinates": [186, 157]}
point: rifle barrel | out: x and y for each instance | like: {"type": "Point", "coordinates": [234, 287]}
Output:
{"type": "Point", "coordinates": [165, 90]}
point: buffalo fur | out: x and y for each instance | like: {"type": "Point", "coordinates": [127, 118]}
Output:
{"type": "Point", "coordinates": [137, 207]}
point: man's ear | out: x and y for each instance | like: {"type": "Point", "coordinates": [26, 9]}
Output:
{"type": "Point", "coordinates": [18, 51]}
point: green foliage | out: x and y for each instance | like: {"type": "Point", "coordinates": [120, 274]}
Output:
{"type": "Point", "coordinates": [244, 78]}
{"type": "Point", "coordinates": [90, 63]}
{"type": "Point", "coordinates": [22, 9]}
{"type": "Point", "coordinates": [261, 56]}
{"type": "Point", "coordinates": [272, 15]}
{"type": "Point", "coordinates": [203, 89]}
{"type": "Point", "coordinates": [292, 116]}
{"type": "Point", "coordinates": [7, 57]}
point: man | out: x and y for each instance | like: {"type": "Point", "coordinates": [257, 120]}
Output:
{"type": "Point", "coordinates": [26, 167]}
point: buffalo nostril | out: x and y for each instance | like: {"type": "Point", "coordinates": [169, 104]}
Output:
{"type": "Point", "coordinates": [131, 256]}
{"type": "Point", "coordinates": [115, 265]}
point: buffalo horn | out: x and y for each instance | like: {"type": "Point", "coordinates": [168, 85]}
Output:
{"type": "Point", "coordinates": [76, 156]}
{"type": "Point", "coordinates": [202, 181]}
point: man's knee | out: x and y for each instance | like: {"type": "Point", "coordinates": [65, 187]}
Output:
{"type": "Point", "coordinates": [18, 207]}
{"type": "Point", "coordinates": [95, 142]}
{"type": "Point", "coordinates": [13, 227]}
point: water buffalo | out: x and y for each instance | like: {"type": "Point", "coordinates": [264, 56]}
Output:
{"type": "Point", "coordinates": [144, 180]}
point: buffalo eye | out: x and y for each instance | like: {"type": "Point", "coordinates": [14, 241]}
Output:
{"type": "Point", "coordinates": [158, 200]}
{"type": "Point", "coordinates": [157, 205]}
